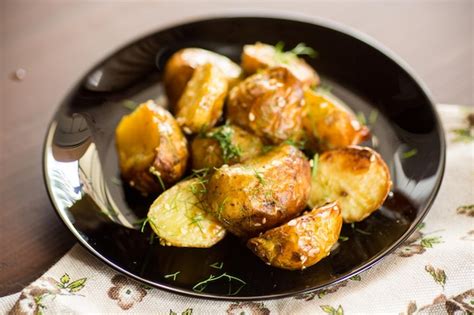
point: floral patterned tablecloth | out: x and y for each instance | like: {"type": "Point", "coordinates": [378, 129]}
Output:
{"type": "Point", "coordinates": [432, 273]}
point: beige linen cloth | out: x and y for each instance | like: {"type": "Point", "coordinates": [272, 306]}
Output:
{"type": "Point", "coordinates": [432, 273]}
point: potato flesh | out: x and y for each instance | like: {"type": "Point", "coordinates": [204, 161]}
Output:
{"type": "Point", "coordinates": [179, 217]}
{"type": "Point", "coordinates": [207, 152]}
{"type": "Point", "coordinates": [302, 241]}
{"type": "Point", "coordinates": [202, 101]}
{"type": "Point", "coordinates": [356, 177]}
{"type": "Point", "coordinates": [329, 125]}
{"type": "Point", "coordinates": [180, 68]}
{"type": "Point", "coordinates": [150, 143]}
{"type": "Point", "coordinates": [261, 193]}
{"type": "Point", "coordinates": [268, 104]}
{"type": "Point", "coordinates": [262, 56]}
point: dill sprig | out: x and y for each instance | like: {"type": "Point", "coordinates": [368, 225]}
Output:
{"type": "Point", "coordinates": [195, 220]}
{"type": "Point", "coordinates": [173, 275]}
{"type": "Point", "coordinates": [129, 104]}
{"type": "Point", "coordinates": [314, 170]}
{"type": "Point", "coordinates": [157, 173]}
{"type": "Point", "coordinates": [201, 286]}
{"type": "Point", "coordinates": [410, 153]}
{"type": "Point", "coordinates": [300, 144]}
{"type": "Point", "coordinates": [299, 50]}
{"type": "Point", "coordinates": [217, 265]}
{"type": "Point", "coordinates": [223, 135]}
{"type": "Point", "coordinates": [259, 177]}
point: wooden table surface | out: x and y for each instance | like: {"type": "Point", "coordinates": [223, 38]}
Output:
{"type": "Point", "coordinates": [57, 41]}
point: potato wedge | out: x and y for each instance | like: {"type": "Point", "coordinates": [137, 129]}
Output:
{"type": "Point", "coordinates": [179, 217]}
{"type": "Point", "coordinates": [202, 101]}
{"type": "Point", "coordinates": [151, 148]}
{"type": "Point", "coordinates": [268, 104]}
{"type": "Point", "coordinates": [261, 193]}
{"type": "Point", "coordinates": [301, 242]}
{"type": "Point", "coordinates": [356, 177]}
{"type": "Point", "coordinates": [226, 144]}
{"type": "Point", "coordinates": [261, 56]}
{"type": "Point", "coordinates": [329, 125]}
{"type": "Point", "coordinates": [180, 68]}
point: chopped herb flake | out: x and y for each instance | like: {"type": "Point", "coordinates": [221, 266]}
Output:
{"type": "Point", "coordinates": [409, 154]}
{"type": "Point", "coordinates": [173, 275]}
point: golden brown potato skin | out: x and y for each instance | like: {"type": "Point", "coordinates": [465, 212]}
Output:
{"type": "Point", "coordinates": [268, 104]}
{"type": "Point", "coordinates": [262, 56]}
{"type": "Point", "coordinates": [149, 142]}
{"type": "Point", "coordinates": [207, 152]}
{"type": "Point", "coordinates": [301, 242]}
{"type": "Point", "coordinates": [180, 68]}
{"type": "Point", "coordinates": [356, 177]}
{"type": "Point", "coordinates": [261, 193]}
{"type": "Point", "coordinates": [328, 125]}
{"type": "Point", "coordinates": [202, 101]}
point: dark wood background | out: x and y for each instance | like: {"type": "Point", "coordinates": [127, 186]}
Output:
{"type": "Point", "coordinates": [57, 41]}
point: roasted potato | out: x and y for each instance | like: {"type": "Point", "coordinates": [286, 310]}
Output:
{"type": "Point", "coordinates": [262, 56]}
{"type": "Point", "coordinates": [263, 192]}
{"type": "Point", "coordinates": [180, 68]}
{"type": "Point", "coordinates": [151, 148]}
{"type": "Point", "coordinates": [202, 101]}
{"type": "Point", "coordinates": [179, 217]}
{"type": "Point", "coordinates": [301, 242]}
{"type": "Point", "coordinates": [356, 177]}
{"type": "Point", "coordinates": [330, 125]}
{"type": "Point", "coordinates": [226, 144]}
{"type": "Point", "coordinates": [268, 104]}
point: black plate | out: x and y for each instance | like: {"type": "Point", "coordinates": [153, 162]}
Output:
{"type": "Point", "coordinates": [80, 162]}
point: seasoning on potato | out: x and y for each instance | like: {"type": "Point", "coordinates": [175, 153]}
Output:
{"type": "Point", "coordinates": [356, 177]}
{"type": "Point", "coordinates": [261, 56]}
{"type": "Point", "coordinates": [301, 242]}
{"type": "Point", "coordinates": [329, 125]}
{"type": "Point", "coordinates": [261, 193]}
{"type": "Point", "coordinates": [152, 149]}
{"type": "Point", "coordinates": [268, 104]}
{"type": "Point", "coordinates": [226, 144]}
{"type": "Point", "coordinates": [202, 101]}
{"type": "Point", "coordinates": [180, 68]}
{"type": "Point", "coordinates": [179, 217]}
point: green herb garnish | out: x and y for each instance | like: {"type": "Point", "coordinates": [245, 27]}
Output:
{"type": "Point", "coordinates": [267, 148]}
{"type": "Point", "coordinates": [195, 220]}
{"type": "Point", "coordinates": [223, 135]}
{"type": "Point", "coordinates": [259, 176]}
{"type": "Point", "coordinates": [299, 50]}
{"type": "Point", "coordinates": [217, 265]}
{"type": "Point", "coordinates": [296, 143]}
{"type": "Point", "coordinates": [173, 275]}
{"type": "Point", "coordinates": [155, 172]}
{"type": "Point", "coordinates": [343, 238]}
{"type": "Point", "coordinates": [409, 154]}
{"type": "Point", "coordinates": [361, 118]}
{"type": "Point", "coordinates": [315, 160]}
{"type": "Point", "coordinates": [129, 104]}
{"type": "Point", "coordinates": [374, 114]}
{"type": "Point", "coordinates": [201, 286]}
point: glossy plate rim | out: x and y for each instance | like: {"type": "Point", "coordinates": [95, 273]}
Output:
{"type": "Point", "coordinates": [265, 14]}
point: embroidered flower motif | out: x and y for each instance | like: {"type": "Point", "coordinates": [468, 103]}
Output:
{"type": "Point", "coordinates": [322, 292]}
{"type": "Point", "coordinates": [126, 292]}
{"type": "Point", "coordinates": [247, 308]}
{"type": "Point", "coordinates": [32, 298]}
{"type": "Point", "coordinates": [466, 210]}
{"type": "Point", "coordinates": [459, 304]}
{"type": "Point", "coordinates": [417, 243]}
{"type": "Point", "coordinates": [469, 236]}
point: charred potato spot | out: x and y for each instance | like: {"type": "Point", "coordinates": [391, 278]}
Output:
{"type": "Point", "coordinates": [356, 177]}
{"type": "Point", "coordinates": [150, 145]}
{"type": "Point", "coordinates": [180, 68]}
{"type": "Point", "coordinates": [227, 144]}
{"type": "Point", "coordinates": [329, 125]}
{"type": "Point", "coordinates": [269, 105]}
{"type": "Point", "coordinates": [179, 217]}
{"type": "Point", "coordinates": [302, 241]}
{"type": "Point", "coordinates": [261, 193]}
{"type": "Point", "coordinates": [201, 104]}
{"type": "Point", "coordinates": [262, 56]}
